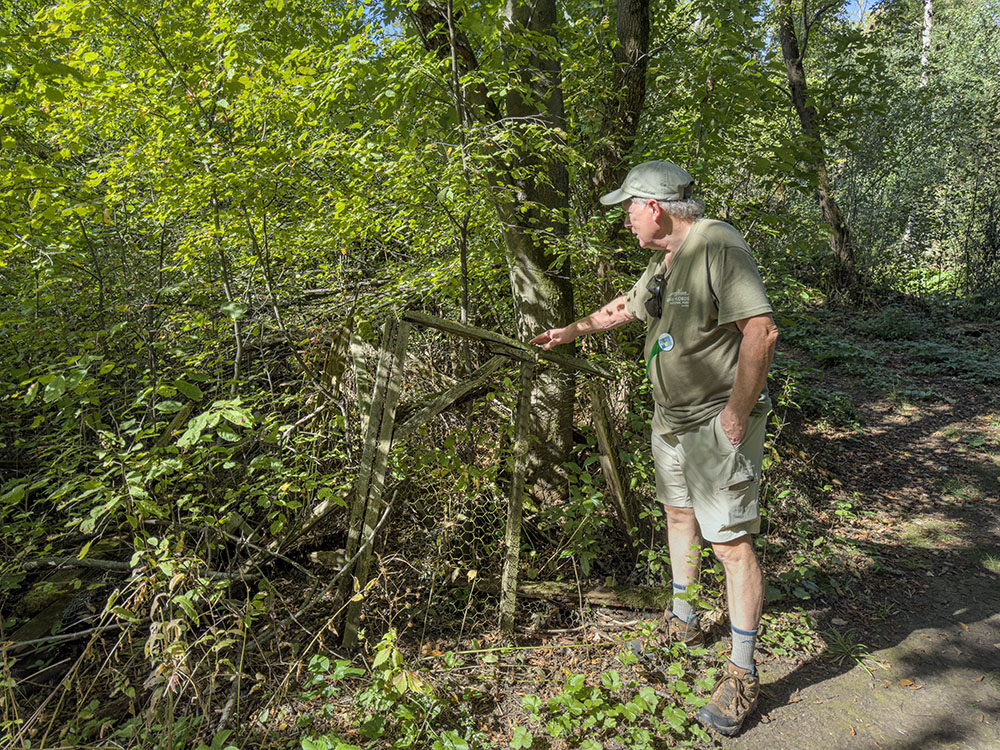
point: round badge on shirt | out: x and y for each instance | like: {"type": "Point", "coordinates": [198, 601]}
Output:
{"type": "Point", "coordinates": [666, 342]}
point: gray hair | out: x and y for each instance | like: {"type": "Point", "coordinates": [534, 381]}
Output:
{"type": "Point", "coordinates": [687, 209]}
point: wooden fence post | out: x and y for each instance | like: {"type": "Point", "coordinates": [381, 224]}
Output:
{"type": "Point", "coordinates": [371, 478]}
{"type": "Point", "coordinates": [627, 515]}
{"type": "Point", "coordinates": [515, 503]}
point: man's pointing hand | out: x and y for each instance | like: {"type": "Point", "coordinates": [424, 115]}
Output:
{"type": "Point", "coordinates": [552, 337]}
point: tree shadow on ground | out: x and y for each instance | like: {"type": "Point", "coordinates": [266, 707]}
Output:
{"type": "Point", "coordinates": [920, 653]}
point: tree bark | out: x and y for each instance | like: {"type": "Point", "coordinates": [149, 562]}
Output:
{"type": "Point", "coordinates": [533, 210]}
{"type": "Point", "coordinates": [622, 110]}
{"type": "Point", "coordinates": [925, 46]}
{"type": "Point", "coordinates": [845, 271]}
{"type": "Point", "coordinates": [628, 95]}
{"type": "Point", "coordinates": [925, 58]}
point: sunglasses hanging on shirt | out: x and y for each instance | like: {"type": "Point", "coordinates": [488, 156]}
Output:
{"type": "Point", "coordinates": [654, 304]}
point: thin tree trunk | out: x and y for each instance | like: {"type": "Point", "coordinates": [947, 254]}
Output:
{"type": "Point", "coordinates": [845, 274]}
{"type": "Point", "coordinates": [230, 298]}
{"type": "Point", "coordinates": [925, 46]}
{"type": "Point", "coordinates": [622, 108]}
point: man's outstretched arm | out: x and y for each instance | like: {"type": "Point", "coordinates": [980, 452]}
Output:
{"type": "Point", "coordinates": [610, 316]}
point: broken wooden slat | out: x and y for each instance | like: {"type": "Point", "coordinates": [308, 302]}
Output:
{"type": "Point", "coordinates": [512, 347]}
{"type": "Point", "coordinates": [515, 503]}
{"type": "Point", "coordinates": [372, 423]}
{"type": "Point", "coordinates": [609, 461]}
{"type": "Point", "coordinates": [384, 415]}
{"type": "Point", "coordinates": [625, 597]}
{"type": "Point", "coordinates": [446, 399]}
{"type": "Point", "coordinates": [362, 379]}
{"type": "Point", "coordinates": [336, 356]}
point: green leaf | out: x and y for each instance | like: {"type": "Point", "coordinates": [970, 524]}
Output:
{"type": "Point", "coordinates": [193, 392]}
{"type": "Point", "coordinates": [234, 310]}
{"type": "Point", "coordinates": [14, 495]}
{"type": "Point", "coordinates": [185, 603]}
{"type": "Point", "coordinates": [219, 740]}
{"type": "Point", "coordinates": [56, 68]}
{"type": "Point", "coordinates": [226, 434]}
{"type": "Point", "coordinates": [373, 727]}
{"type": "Point", "coordinates": [85, 550]}
{"type": "Point", "coordinates": [521, 739]}
{"type": "Point", "coordinates": [55, 389]}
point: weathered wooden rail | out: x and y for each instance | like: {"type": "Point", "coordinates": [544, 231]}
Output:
{"type": "Point", "coordinates": [381, 431]}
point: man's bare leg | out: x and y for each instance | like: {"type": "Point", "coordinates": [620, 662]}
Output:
{"type": "Point", "coordinates": [744, 595]}
{"type": "Point", "coordinates": [735, 694]}
{"type": "Point", "coordinates": [684, 540]}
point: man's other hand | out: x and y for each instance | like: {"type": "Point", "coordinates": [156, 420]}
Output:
{"type": "Point", "coordinates": [733, 425]}
{"type": "Point", "coordinates": [552, 337]}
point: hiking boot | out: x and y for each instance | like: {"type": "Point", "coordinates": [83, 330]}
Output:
{"type": "Point", "coordinates": [733, 700]}
{"type": "Point", "coordinates": [678, 630]}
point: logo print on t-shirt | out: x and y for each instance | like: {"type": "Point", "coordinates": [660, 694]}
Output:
{"type": "Point", "coordinates": [666, 342]}
{"type": "Point", "coordinates": [680, 297]}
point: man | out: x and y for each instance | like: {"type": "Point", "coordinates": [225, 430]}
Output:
{"type": "Point", "coordinates": [709, 342]}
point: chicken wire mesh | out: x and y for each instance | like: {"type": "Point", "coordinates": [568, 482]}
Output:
{"type": "Point", "coordinates": [438, 560]}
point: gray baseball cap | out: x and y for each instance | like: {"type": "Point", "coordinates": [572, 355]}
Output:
{"type": "Point", "coordinates": [661, 179]}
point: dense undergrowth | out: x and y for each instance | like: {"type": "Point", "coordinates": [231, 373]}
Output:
{"type": "Point", "coordinates": [166, 588]}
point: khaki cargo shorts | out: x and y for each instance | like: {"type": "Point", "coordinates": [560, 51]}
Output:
{"type": "Point", "coordinates": [701, 469]}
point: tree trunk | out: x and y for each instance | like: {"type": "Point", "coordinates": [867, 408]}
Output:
{"type": "Point", "coordinates": [627, 97]}
{"type": "Point", "coordinates": [622, 109]}
{"type": "Point", "coordinates": [925, 46]}
{"type": "Point", "coordinates": [533, 213]}
{"type": "Point", "coordinates": [925, 59]}
{"type": "Point", "coordinates": [845, 273]}
{"type": "Point", "coordinates": [532, 188]}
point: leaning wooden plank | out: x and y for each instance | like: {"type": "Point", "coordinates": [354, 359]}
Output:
{"type": "Point", "coordinates": [377, 482]}
{"type": "Point", "coordinates": [442, 402]}
{"type": "Point", "coordinates": [336, 356]}
{"type": "Point", "coordinates": [609, 462]}
{"type": "Point", "coordinates": [362, 379]}
{"type": "Point", "coordinates": [362, 483]}
{"type": "Point", "coordinates": [530, 353]}
{"type": "Point", "coordinates": [515, 503]}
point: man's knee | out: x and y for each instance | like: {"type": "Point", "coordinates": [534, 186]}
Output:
{"type": "Point", "coordinates": [738, 551]}
{"type": "Point", "coordinates": [680, 516]}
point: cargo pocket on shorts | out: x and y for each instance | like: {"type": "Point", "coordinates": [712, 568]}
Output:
{"type": "Point", "coordinates": [736, 481]}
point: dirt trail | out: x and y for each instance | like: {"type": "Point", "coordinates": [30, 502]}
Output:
{"type": "Point", "coordinates": [918, 667]}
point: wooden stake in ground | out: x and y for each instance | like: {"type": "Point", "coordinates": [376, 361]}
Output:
{"type": "Point", "coordinates": [515, 503]}
{"type": "Point", "coordinates": [627, 517]}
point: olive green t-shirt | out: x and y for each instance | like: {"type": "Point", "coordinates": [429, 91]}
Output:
{"type": "Point", "coordinates": [692, 349]}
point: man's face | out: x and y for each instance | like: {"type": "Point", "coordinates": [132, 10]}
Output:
{"type": "Point", "coordinates": [639, 217]}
